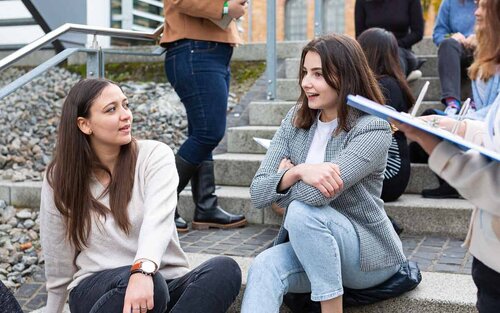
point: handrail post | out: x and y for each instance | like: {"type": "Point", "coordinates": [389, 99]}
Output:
{"type": "Point", "coordinates": [271, 58]}
{"type": "Point", "coordinates": [318, 21]}
{"type": "Point", "coordinates": [94, 60]}
{"type": "Point", "coordinates": [250, 20]}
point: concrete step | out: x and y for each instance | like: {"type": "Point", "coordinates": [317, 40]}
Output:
{"type": "Point", "coordinates": [271, 113]}
{"type": "Point", "coordinates": [425, 47]}
{"type": "Point", "coordinates": [268, 113]}
{"type": "Point", "coordinates": [288, 89]}
{"type": "Point", "coordinates": [240, 139]}
{"type": "Point", "coordinates": [438, 292]}
{"type": "Point", "coordinates": [238, 169]}
{"type": "Point", "coordinates": [415, 214]}
{"type": "Point", "coordinates": [429, 68]}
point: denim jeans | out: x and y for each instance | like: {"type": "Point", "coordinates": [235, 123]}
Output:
{"type": "Point", "coordinates": [199, 72]}
{"type": "Point", "coordinates": [453, 60]}
{"type": "Point", "coordinates": [211, 287]}
{"type": "Point", "coordinates": [321, 257]}
{"type": "Point", "coordinates": [7, 301]}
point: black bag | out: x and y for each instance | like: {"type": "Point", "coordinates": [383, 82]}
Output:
{"type": "Point", "coordinates": [407, 278]}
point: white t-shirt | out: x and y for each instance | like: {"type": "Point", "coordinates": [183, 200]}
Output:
{"type": "Point", "coordinates": [322, 135]}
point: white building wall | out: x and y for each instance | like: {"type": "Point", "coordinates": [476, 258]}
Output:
{"type": "Point", "coordinates": [17, 35]}
{"type": "Point", "coordinates": [99, 14]}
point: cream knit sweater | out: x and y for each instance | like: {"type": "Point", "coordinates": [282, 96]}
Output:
{"type": "Point", "coordinates": [152, 236]}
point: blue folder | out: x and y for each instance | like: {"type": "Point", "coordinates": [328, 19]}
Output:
{"type": "Point", "coordinates": [374, 108]}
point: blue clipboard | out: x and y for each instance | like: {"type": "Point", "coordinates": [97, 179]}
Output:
{"type": "Point", "coordinates": [374, 108]}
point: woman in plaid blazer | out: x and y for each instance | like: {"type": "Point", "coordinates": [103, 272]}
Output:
{"type": "Point", "coordinates": [325, 165]}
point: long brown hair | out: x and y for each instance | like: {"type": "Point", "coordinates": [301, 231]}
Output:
{"type": "Point", "coordinates": [381, 51]}
{"type": "Point", "coordinates": [345, 69]}
{"type": "Point", "coordinates": [487, 54]}
{"type": "Point", "coordinates": [70, 172]}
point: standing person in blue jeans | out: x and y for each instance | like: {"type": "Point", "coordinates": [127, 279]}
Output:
{"type": "Point", "coordinates": [197, 66]}
{"type": "Point", "coordinates": [454, 35]}
{"type": "Point", "coordinates": [325, 165]}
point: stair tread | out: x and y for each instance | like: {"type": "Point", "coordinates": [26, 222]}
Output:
{"type": "Point", "coordinates": [406, 200]}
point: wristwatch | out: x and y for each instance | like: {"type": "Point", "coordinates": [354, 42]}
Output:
{"type": "Point", "coordinates": [145, 267]}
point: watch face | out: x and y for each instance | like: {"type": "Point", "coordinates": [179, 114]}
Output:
{"type": "Point", "coordinates": [148, 267]}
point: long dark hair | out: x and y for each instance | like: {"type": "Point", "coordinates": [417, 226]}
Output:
{"type": "Point", "coordinates": [70, 172]}
{"type": "Point", "coordinates": [381, 50]}
{"type": "Point", "coordinates": [487, 53]}
{"type": "Point", "coordinates": [345, 69]}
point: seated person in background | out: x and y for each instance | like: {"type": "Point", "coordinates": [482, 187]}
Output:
{"type": "Point", "coordinates": [339, 234]}
{"type": "Point", "coordinates": [454, 35]}
{"type": "Point", "coordinates": [401, 17]}
{"type": "Point", "coordinates": [478, 180]}
{"type": "Point", "coordinates": [381, 50]}
{"type": "Point", "coordinates": [485, 79]}
{"type": "Point", "coordinates": [107, 218]}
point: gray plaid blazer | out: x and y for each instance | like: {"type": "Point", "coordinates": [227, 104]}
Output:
{"type": "Point", "coordinates": [361, 155]}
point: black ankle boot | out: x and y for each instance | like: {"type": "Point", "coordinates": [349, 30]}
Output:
{"type": "Point", "coordinates": [444, 191]}
{"type": "Point", "coordinates": [207, 212]}
{"type": "Point", "coordinates": [185, 170]}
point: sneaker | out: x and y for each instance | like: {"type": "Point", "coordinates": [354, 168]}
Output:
{"type": "Point", "coordinates": [452, 106]}
{"type": "Point", "coordinates": [181, 224]}
{"type": "Point", "coordinates": [413, 76]}
{"type": "Point", "coordinates": [451, 110]}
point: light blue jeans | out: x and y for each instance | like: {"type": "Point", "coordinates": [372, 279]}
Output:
{"type": "Point", "coordinates": [321, 257]}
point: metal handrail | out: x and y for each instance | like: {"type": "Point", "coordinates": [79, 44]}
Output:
{"type": "Point", "coordinates": [78, 28]}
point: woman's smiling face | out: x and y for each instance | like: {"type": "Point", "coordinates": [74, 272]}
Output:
{"type": "Point", "coordinates": [320, 95]}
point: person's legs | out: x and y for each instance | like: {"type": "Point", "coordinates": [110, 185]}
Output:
{"type": "Point", "coordinates": [209, 288]}
{"type": "Point", "coordinates": [207, 212]}
{"type": "Point", "coordinates": [274, 272]}
{"type": "Point", "coordinates": [327, 246]}
{"type": "Point", "coordinates": [451, 55]}
{"type": "Point", "coordinates": [7, 301]}
{"type": "Point", "coordinates": [403, 61]}
{"type": "Point", "coordinates": [409, 64]}
{"type": "Point", "coordinates": [104, 292]}
{"type": "Point", "coordinates": [199, 73]}
{"type": "Point", "coordinates": [488, 287]}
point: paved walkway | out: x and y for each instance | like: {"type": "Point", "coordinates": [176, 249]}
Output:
{"type": "Point", "coordinates": [433, 254]}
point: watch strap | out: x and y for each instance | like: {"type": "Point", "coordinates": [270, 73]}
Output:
{"type": "Point", "coordinates": [132, 272]}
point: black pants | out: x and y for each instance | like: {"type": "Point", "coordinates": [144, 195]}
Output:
{"type": "Point", "coordinates": [488, 287]}
{"type": "Point", "coordinates": [408, 60]}
{"type": "Point", "coordinates": [8, 304]}
{"type": "Point", "coordinates": [453, 60]}
{"type": "Point", "coordinates": [211, 287]}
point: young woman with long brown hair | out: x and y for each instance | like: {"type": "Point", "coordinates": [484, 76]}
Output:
{"type": "Point", "coordinates": [325, 165]}
{"type": "Point", "coordinates": [381, 50]}
{"type": "Point", "coordinates": [107, 218]}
